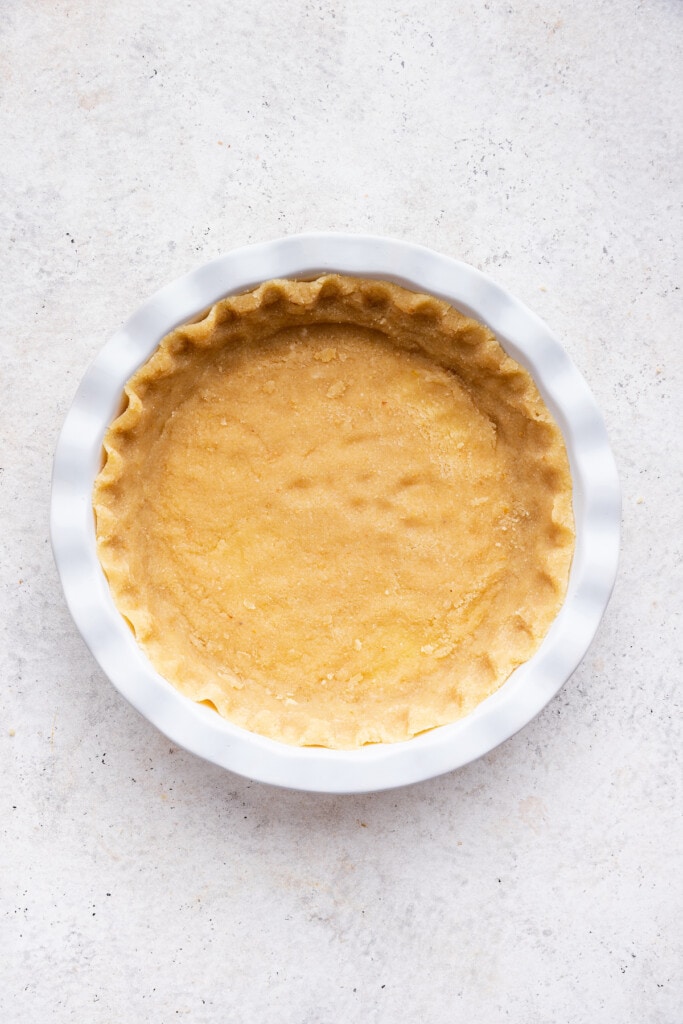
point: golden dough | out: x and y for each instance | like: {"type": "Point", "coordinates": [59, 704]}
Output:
{"type": "Point", "coordinates": [336, 510]}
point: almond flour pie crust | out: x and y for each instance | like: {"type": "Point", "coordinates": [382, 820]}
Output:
{"type": "Point", "coordinates": [336, 511]}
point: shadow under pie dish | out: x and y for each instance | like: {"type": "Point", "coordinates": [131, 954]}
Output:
{"type": "Point", "coordinates": [339, 513]}
{"type": "Point", "coordinates": [336, 510]}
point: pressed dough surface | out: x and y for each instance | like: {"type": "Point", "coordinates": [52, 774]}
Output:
{"type": "Point", "coordinates": [337, 511]}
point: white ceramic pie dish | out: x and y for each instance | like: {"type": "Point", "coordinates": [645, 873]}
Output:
{"type": "Point", "coordinates": [200, 729]}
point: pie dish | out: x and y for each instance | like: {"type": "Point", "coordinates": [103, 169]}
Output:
{"type": "Point", "coordinates": [336, 511]}
{"type": "Point", "coordinates": [595, 505]}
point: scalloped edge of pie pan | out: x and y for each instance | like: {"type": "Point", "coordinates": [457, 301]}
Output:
{"type": "Point", "coordinates": [596, 501]}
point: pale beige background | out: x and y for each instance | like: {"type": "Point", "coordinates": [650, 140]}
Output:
{"type": "Point", "coordinates": [538, 141]}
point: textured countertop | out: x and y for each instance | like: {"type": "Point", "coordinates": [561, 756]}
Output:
{"type": "Point", "coordinates": [539, 142]}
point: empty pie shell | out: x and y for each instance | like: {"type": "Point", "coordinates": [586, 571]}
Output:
{"type": "Point", "coordinates": [336, 511]}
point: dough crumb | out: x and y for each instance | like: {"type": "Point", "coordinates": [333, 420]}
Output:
{"type": "Point", "coordinates": [325, 355]}
{"type": "Point", "coordinates": [337, 389]}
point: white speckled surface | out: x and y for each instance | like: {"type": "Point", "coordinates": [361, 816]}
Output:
{"type": "Point", "coordinates": [538, 142]}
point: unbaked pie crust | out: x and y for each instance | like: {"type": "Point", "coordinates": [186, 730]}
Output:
{"type": "Point", "coordinates": [336, 511]}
